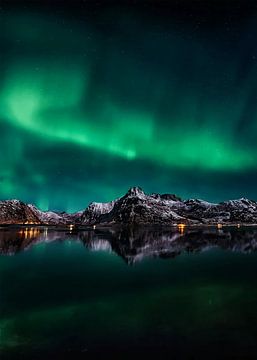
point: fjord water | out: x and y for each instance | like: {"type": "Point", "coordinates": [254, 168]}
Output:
{"type": "Point", "coordinates": [186, 294]}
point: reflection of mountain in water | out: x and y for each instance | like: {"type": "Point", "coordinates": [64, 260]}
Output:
{"type": "Point", "coordinates": [135, 244]}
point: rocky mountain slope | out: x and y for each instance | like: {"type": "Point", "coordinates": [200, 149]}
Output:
{"type": "Point", "coordinates": [136, 208]}
{"type": "Point", "coordinates": [56, 218]}
{"type": "Point", "coordinates": [17, 212]}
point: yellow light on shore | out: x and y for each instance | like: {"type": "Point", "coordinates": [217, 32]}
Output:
{"type": "Point", "coordinates": [219, 226]}
{"type": "Point", "coordinates": [181, 228]}
{"type": "Point", "coordinates": [94, 226]}
{"type": "Point", "coordinates": [71, 227]}
{"type": "Point", "coordinates": [238, 225]}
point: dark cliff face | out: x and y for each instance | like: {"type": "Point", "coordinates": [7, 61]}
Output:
{"type": "Point", "coordinates": [137, 208]}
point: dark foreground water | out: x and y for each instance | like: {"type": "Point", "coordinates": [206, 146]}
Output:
{"type": "Point", "coordinates": [181, 294]}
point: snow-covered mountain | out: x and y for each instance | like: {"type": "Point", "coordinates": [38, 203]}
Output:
{"type": "Point", "coordinates": [137, 208]}
{"type": "Point", "coordinates": [56, 218]}
{"type": "Point", "coordinates": [93, 212]}
{"type": "Point", "coordinates": [17, 212]}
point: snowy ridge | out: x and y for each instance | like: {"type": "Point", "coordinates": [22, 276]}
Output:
{"type": "Point", "coordinates": [94, 211]}
{"type": "Point", "coordinates": [136, 207]}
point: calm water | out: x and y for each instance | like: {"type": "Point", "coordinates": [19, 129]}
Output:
{"type": "Point", "coordinates": [186, 295]}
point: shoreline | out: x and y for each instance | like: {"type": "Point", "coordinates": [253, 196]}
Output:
{"type": "Point", "coordinates": [179, 227]}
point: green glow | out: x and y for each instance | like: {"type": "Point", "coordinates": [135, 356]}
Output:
{"type": "Point", "coordinates": [209, 301]}
{"type": "Point", "coordinates": [48, 103]}
{"type": "Point", "coordinates": [117, 116]}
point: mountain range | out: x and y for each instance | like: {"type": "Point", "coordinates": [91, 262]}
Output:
{"type": "Point", "coordinates": [136, 208]}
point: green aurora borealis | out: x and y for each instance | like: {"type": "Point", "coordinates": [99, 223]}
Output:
{"type": "Point", "coordinates": [90, 106]}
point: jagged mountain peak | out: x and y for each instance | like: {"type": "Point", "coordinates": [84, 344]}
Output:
{"type": "Point", "coordinates": [135, 191]}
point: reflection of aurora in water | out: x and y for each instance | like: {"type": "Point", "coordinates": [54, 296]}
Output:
{"type": "Point", "coordinates": [69, 293]}
{"type": "Point", "coordinates": [96, 110]}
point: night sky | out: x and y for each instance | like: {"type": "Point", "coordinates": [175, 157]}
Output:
{"type": "Point", "coordinates": [96, 97]}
